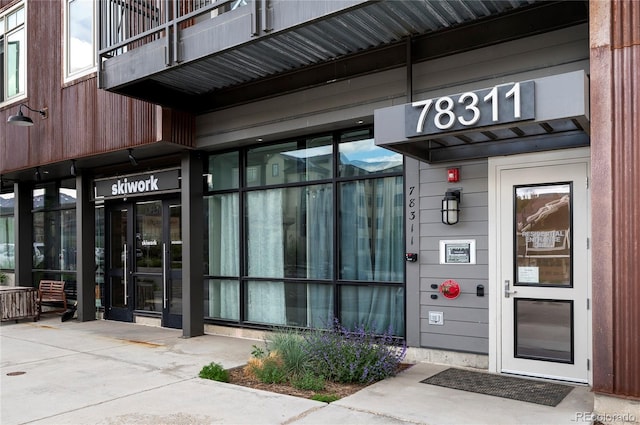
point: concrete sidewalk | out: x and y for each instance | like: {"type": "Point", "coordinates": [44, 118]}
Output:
{"type": "Point", "coordinates": [119, 373]}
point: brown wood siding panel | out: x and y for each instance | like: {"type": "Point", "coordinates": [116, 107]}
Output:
{"type": "Point", "coordinates": [181, 127]}
{"type": "Point", "coordinates": [615, 101]}
{"type": "Point", "coordinates": [83, 120]}
{"type": "Point", "coordinates": [96, 121]}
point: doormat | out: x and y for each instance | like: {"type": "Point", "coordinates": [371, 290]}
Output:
{"type": "Point", "coordinates": [531, 391]}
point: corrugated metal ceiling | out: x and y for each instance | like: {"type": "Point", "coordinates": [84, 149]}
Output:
{"type": "Point", "coordinates": [373, 25]}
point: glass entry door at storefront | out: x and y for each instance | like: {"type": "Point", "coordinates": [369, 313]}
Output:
{"type": "Point", "coordinates": [145, 261]}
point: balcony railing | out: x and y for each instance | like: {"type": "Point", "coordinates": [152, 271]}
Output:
{"type": "Point", "coordinates": [129, 24]}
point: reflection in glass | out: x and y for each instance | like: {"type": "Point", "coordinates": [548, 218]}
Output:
{"type": "Point", "coordinates": [80, 43]}
{"type": "Point", "coordinates": [175, 296]}
{"type": "Point", "coordinates": [307, 160]}
{"type": "Point", "coordinates": [543, 234]}
{"type": "Point", "coordinates": [148, 255]}
{"type": "Point", "coordinates": [363, 157]}
{"type": "Point", "coordinates": [54, 226]}
{"type": "Point", "coordinates": [175, 230]}
{"type": "Point", "coordinates": [118, 240]}
{"type": "Point", "coordinates": [294, 194]}
{"type": "Point", "coordinates": [223, 171]}
{"type": "Point", "coordinates": [118, 297]}
{"type": "Point", "coordinates": [544, 330]}
{"type": "Point", "coordinates": [175, 259]}
{"type": "Point", "coordinates": [15, 61]}
{"type": "Point", "coordinates": [100, 260]}
{"type": "Point", "coordinates": [149, 293]}
{"type": "Point", "coordinates": [7, 220]}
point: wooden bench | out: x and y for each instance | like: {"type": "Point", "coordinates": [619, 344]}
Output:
{"type": "Point", "coordinates": [51, 293]}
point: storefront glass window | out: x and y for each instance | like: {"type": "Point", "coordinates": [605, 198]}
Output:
{"type": "Point", "coordinates": [221, 251]}
{"type": "Point", "coordinates": [273, 253]}
{"type": "Point", "coordinates": [223, 171]}
{"type": "Point", "coordinates": [300, 161]}
{"type": "Point", "coordinates": [359, 156]}
{"type": "Point", "coordinates": [7, 235]}
{"type": "Point", "coordinates": [290, 232]}
{"type": "Point", "coordinates": [371, 229]}
{"type": "Point", "coordinates": [222, 299]}
{"type": "Point", "coordinates": [100, 265]}
{"type": "Point", "coordinates": [289, 303]}
{"type": "Point", "coordinates": [377, 307]}
{"type": "Point", "coordinates": [54, 233]}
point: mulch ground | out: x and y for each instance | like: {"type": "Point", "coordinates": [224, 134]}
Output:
{"type": "Point", "coordinates": [238, 377]}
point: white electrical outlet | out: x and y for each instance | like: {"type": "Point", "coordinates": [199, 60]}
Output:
{"type": "Point", "coordinates": [436, 318]}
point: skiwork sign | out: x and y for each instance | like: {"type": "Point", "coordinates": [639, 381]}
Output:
{"type": "Point", "coordinates": [138, 184]}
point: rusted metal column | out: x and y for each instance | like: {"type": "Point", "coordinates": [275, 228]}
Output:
{"type": "Point", "coordinates": [615, 154]}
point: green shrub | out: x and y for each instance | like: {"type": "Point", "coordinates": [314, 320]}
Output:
{"type": "Point", "coordinates": [308, 381]}
{"type": "Point", "coordinates": [327, 398]}
{"type": "Point", "coordinates": [290, 346]}
{"type": "Point", "coordinates": [257, 352]}
{"type": "Point", "coordinates": [271, 371]}
{"type": "Point", "coordinates": [215, 372]}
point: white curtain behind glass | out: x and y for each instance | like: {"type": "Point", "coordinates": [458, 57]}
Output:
{"type": "Point", "coordinates": [355, 248]}
{"type": "Point", "coordinates": [265, 256]}
{"type": "Point", "coordinates": [319, 255]}
{"type": "Point", "coordinates": [372, 220]}
{"type": "Point", "coordinates": [224, 295]}
{"type": "Point", "coordinates": [388, 231]}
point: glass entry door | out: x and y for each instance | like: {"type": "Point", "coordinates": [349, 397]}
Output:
{"type": "Point", "coordinates": [544, 273]}
{"type": "Point", "coordinates": [145, 273]}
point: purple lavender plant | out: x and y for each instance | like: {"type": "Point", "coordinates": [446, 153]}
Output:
{"type": "Point", "coordinates": [353, 355]}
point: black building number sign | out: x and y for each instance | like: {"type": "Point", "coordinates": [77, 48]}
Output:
{"type": "Point", "coordinates": [487, 107]}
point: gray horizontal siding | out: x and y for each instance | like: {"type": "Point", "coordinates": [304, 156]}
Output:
{"type": "Point", "coordinates": [454, 342]}
{"type": "Point", "coordinates": [466, 317]}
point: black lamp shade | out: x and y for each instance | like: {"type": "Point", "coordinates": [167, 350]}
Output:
{"type": "Point", "coordinates": [20, 119]}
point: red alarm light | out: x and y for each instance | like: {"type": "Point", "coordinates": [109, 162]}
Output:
{"type": "Point", "coordinates": [453, 175]}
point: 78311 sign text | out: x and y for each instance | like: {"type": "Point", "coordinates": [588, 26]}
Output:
{"type": "Point", "coordinates": [493, 106]}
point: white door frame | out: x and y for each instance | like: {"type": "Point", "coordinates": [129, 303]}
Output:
{"type": "Point", "coordinates": [496, 165]}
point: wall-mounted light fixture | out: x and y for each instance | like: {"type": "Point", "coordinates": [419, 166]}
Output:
{"type": "Point", "coordinates": [451, 206]}
{"type": "Point", "coordinates": [73, 167]}
{"type": "Point", "coordinates": [23, 120]}
{"type": "Point", "coordinates": [132, 159]}
{"type": "Point", "coordinates": [38, 174]}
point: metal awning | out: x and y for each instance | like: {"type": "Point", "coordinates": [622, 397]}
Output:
{"type": "Point", "coordinates": [552, 114]}
{"type": "Point", "coordinates": [209, 56]}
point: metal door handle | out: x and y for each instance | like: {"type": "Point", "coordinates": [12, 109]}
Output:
{"type": "Point", "coordinates": [126, 273]}
{"type": "Point", "coordinates": [508, 293]}
{"type": "Point", "coordinates": [164, 275]}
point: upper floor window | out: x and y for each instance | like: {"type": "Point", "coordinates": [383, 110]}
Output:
{"type": "Point", "coordinates": [13, 53]}
{"type": "Point", "coordinates": [80, 52]}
